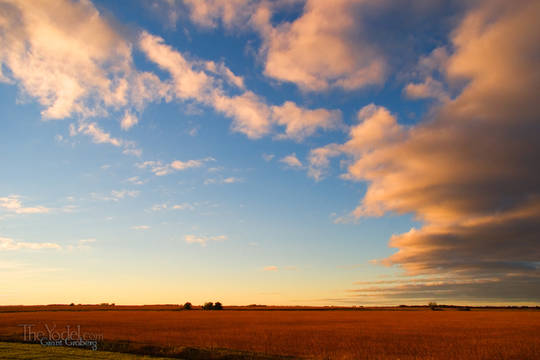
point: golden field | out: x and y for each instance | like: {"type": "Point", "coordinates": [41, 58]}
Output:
{"type": "Point", "coordinates": [313, 334]}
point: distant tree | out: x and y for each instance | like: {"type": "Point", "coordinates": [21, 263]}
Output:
{"type": "Point", "coordinates": [218, 306]}
{"type": "Point", "coordinates": [188, 306]}
{"type": "Point", "coordinates": [72, 304]}
{"type": "Point", "coordinates": [208, 306]}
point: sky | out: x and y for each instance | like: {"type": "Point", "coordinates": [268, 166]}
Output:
{"type": "Point", "coordinates": [280, 152]}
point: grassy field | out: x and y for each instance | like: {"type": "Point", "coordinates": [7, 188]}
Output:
{"type": "Point", "coordinates": [14, 351]}
{"type": "Point", "coordinates": [317, 334]}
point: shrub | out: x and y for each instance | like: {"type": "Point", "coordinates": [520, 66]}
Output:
{"type": "Point", "coordinates": [208, 306]}
{"type": "Point", "coordinates": [218, 306]}
{"type": "Point", "coordinates": [188, 306]}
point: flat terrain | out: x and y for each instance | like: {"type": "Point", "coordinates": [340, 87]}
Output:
{"type": "Point", "coordinates": [318, 334]}
{"type": "Point", "coordinates": [14, 351]}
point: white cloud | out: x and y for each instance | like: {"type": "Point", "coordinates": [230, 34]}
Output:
{"type": "Point", "coordinates": [68, 57]}
{"type": "Point", "coordinates": [249, 112]}
{"type": "Point", "coordinates": [10, 244]}
{"type": "Point", "coordinates": [223, 180]}
{"type": "Point", "coordinates": [203, 240]}
{"type": "Point", "coordinates": [376, 127]}
{"type": "Point", "coordinates": [160, 169]}
{"type": "Point", "coordinates": [300, 123]}
{"type": "Point", "coordinates": [158, 207]}
{"type": "Point", "coordinates": [293, 51]}
{"type": "Point", "coordinates": [120, 194]}
{"type": "Point", "coordinates": [268, 157]}
{"type": "Point", "coordinates": [13, 204]}
{"type": "Point", "coordinates": [100, 136]}
{"type": "Point", "coordinates": [82, 244]}
{"type": "Point", "coordinates": [116, 195]}
{"type": "Point", "coordinates": [183, 206]}
{"type": "Point", "coordinates": [140, 227]}
{"type": "Point", "coordinates": [136, 180]}
{"type": "Point", "coordinates": [128, 121]}
{"type": "Point", "coordinates": [223, 71]}
{"type": "Point", "coordinates": [292, 161]}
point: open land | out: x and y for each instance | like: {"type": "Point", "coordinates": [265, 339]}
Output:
{"type": "Point", "coordinates": [273, 332]}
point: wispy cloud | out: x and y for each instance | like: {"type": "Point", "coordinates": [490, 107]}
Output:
{"type": "Point", "coordinates": [13, 204]}
{"type": "Point", "coordinates": [82, 244]}
{"type": "Point", "coordinates": [273, 268]}
{"type": "Point", "coordinates": [203, 240]}
{"type": "Point", "coordinates": [100, 136]}
{"type": "Point", "coordinates": [10, 244]}
{"type": "Point", "coordinates": [116, 195]}
{"type": "Point", "coordinates": [136, 180]}
{"type": "Point", "coordinates": [140, 227]}
{"type": "Point", "coordinates": [161, 169]}
{"type": "Point", "coordinates": [268, 157]}
{"type": "Point", "coordinates": [223, 180]}
{"type": "Point", "coordinates": [291, 161]}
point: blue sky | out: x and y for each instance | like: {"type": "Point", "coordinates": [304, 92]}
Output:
{"type": "Point", "coordinates": [259, 152]}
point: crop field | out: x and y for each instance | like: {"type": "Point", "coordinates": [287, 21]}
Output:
{"type": "Point", "coordinates": [315, 334]}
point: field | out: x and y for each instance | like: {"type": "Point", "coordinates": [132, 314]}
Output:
{"type": "Point", "coordinates": [14, 351]}
{"type": "Point", "coordinates": [314, 334]}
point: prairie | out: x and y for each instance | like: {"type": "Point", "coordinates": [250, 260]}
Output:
{"type": "Point", "coordinates": [315, 334]}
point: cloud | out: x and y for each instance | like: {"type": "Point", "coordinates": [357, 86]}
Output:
{"type": "Point", "coordinates": [251, 116]}
{"type": "Point", "coordinates": [116, 195]}
{"type": "Point", "coordinates": [82, 244]}
{"type": "Point", "coordinates": [121, 194]}
{"type": "Point", "coordinates": [136, 180]}
{"type": "Point", "coordinates": [469, 171]}
{"type": "Point", "coordinates": [199, 81]}
{"type": "Point", "coordinates": [160, 169]}
{"type": "Point", "coordinates": [268, 157]}
{"type": "Point", "coordinates": [503, 289]}
{"type": "Point", "coordinates": [10, 244]}
{"type": "Point", "coordinates": [158, 207]}
{"type": "Point", "coordinates": [223, 180]}
{"type": "Point", "coordinates": [203, 240]}
{"type": "Point", "coordinates": [183, 206]}
{"type": "Point", "coordinates": [100, 136]}
{"type": "Point", "coordinates": [69, 58]}
{"type": "Point", "coordinates": [273, 268]}
{"type": "Point", "coordinates": [96, 133]}
{"type": "Point", "coordinates": [300, 123]}
{"type": "Point", "coordinates": [128, 121]}
{"type": "Point", "coordinates": [140, 227]}
{"type": "Point", "coordinates": [291, 161]}
{"type": "Point", "coordinates": [230, 12]}
{"type": "Point", "coordinates": [376, 128]}
{"type": "Point", "coordinates": [292, 50]}
{"type": "Point", "coordinates": [319, 160]}
{"type": "Point", "coordinates": [13, 204]}
{"type": "Point", "coordinates": [430, 88]}
{"type": "Point", "coordinates": [225, 73]}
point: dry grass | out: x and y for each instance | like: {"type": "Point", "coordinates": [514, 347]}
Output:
{"type": "Point", "coordinates": [421, 334]}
